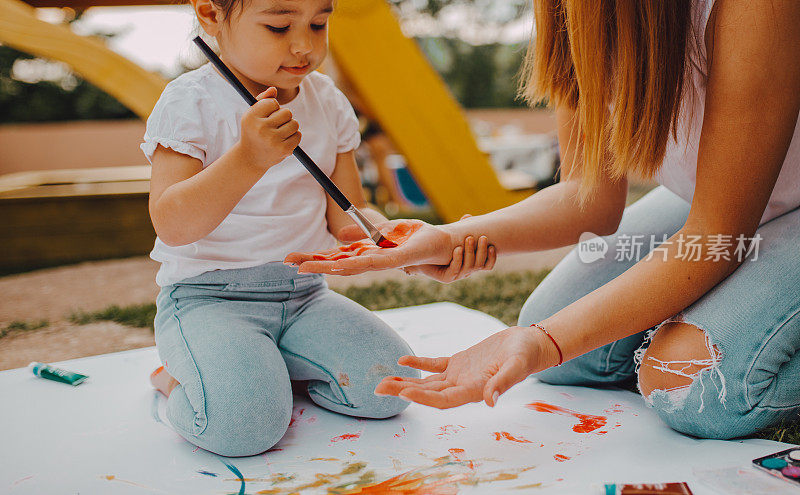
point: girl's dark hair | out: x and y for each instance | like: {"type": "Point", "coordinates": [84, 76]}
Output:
{"type": "Point", "coordinates": [229, 7]}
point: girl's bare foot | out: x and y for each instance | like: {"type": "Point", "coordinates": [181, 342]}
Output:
{"type": "Point", "coordinates": [163, 381]}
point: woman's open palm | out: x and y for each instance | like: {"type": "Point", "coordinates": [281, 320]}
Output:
{"type": "Point", "coordinates": [481, 372]}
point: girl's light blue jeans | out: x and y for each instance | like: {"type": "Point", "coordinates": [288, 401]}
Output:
{"type": "Point", "coordinates": [752, 318]}
{"type": "Point", "coordinates": [235, 338]}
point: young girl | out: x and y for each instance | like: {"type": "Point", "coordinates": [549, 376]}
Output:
{"type": "Point", "coordinates": [228, 202]}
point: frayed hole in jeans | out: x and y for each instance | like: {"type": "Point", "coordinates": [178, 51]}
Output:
{"type": "Point", "coordinates": [674, 398]}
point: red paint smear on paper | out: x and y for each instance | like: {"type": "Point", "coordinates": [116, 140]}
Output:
{"type": "Point", "coordinates": [295, 416]}
{"type": "Point", "coordinates": [587, 422]}
{"type": "Point", "coordinates": [504, 435]}
{"type": "Point", "coordinates": [21, 480]}
{"type": "Point", "coordinates": [346, 436]}
{"type": "Point", "coordinates": [561, 457]}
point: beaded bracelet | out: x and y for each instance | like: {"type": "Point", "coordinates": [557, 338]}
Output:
{"type": "Point", "coordinates": [558, 348]}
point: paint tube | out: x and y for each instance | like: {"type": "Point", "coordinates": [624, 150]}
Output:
{"type": "Point", "coordinates": [648, 489]}
{"type": "Point", "coordinates": [43, 370]}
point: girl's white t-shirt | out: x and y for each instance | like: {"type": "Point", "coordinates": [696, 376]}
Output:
{"type": "Point", "coordinates": [199, 115]}
{"type": "Point", "coordinates": [678, 172]}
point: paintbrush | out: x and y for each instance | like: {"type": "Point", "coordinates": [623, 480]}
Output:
{"type": "Point", "coordinates": [327, 184]}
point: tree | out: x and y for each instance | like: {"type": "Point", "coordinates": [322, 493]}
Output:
{"type": "Point", "coordinates": [467, 43]}
{"type": "Point", "coordinates": [66, 97]}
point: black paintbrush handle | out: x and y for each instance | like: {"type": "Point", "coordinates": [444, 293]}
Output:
{"type": "Point", "coordinates": [226, 72]}
{"type": "Point", "coordinates": [301, 155]}
{"type": "Point", "coordinates": [325, 181]}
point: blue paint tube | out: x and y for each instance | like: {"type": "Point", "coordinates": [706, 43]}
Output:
{"type": "Point", "coordinates": [43, 370]}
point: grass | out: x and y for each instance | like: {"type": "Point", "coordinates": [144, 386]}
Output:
{"type": "Point", "coordinates": [18, 325]}
{"type": "Point", "coordinates": [501, 296]}
{"type": "Point", "coordinates": [138, 315]}
{"type": "Point", "coordinates": [786, 431]}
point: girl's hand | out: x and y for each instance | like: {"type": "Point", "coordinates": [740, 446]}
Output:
{"type": "Point", "coordinates": [467, 259]}
{"type": "Point", "coordinates": [269, 134]}
{"type": "Point", "coordinates": [427, 244]}
{"type": "Point", "coordinates": [482, 372]}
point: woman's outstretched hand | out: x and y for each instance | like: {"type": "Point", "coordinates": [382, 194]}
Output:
{"type": "Point", "coordinates": [482, 372]}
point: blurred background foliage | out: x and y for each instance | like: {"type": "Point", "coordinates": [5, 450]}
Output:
{"type": "Point", "coordinates": [54, 94]}
{"type": "Point", "coordinates": [480, 74]}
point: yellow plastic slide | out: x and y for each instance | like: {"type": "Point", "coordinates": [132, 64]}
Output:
{"type": "Point", "coordinates": [416, 110]}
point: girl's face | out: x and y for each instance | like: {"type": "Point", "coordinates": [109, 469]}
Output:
{"type": "Point", "coordinates": [275, 42]}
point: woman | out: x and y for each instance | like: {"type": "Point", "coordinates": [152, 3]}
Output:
{"type": "Point", "coordinates": [704, 97]}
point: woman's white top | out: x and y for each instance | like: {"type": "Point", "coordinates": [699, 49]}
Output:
{"type": "Point", "coordinates": [679, 170]}
{"type": "Point", "coordinates": [199, 115]}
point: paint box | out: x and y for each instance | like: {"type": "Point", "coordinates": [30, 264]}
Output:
{"type": "Point", "coordinates": [677, 488]}
{"type": "Point", "coordinates": [784, 465]}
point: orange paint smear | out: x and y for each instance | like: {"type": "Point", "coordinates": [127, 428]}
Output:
{"type": "Point", "coordinates": [398, 235]}
{"type": "Point", "coordinates": [111, 477]}
{"type": "Point", "coordinates": [413, 484]}
{"type": "Point", "coordinates": [587, 422]}
{"type": "Point", "coordinates": [504, 435]}
{"type": "Point", "coordinates": [449, 430]}
{"type": "Point", "coordinates": [346, 436]}
{"type": "Point", "coordinates": [561, 457]}
{"type": "Point", "coordinates": [457, 453]}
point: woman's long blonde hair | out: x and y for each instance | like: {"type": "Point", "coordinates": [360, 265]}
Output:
{"type": "Point", "coordinates": [621, 65]}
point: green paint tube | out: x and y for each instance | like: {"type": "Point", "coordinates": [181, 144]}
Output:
{"type": "Point", "coordinates": [57, 374]}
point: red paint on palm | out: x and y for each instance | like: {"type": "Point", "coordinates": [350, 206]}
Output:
{"type": "Point", "coordinates": [397, 236]}
{"type": "Point", "coordinates": [385, 243]}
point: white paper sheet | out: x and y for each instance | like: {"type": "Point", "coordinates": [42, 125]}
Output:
{"type": "Point", "coordinates": [108, 436]}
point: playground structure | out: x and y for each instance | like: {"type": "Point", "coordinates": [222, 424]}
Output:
{"type": "Point", "coordinates": [403, 93]}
